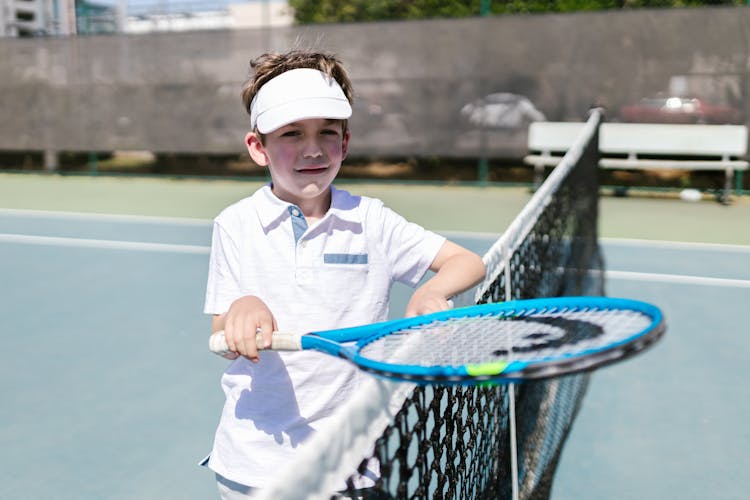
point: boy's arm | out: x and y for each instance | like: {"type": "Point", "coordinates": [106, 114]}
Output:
{"type": "Point", "coordinates": [457, 269]}
{"type": "Point", "coordinates": [245, 317]}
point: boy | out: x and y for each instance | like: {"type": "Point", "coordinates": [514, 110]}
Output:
{"type": "Point", "coordinates": [301, 255]}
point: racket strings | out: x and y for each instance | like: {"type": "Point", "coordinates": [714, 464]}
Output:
{"type": "Point", "coordinates": [537, 335]}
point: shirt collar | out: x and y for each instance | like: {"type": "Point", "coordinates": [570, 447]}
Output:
{"type": "Point", "coordinates": [272, 210]}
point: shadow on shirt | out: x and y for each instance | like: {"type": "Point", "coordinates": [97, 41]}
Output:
{"type": "Point", "coordinates": [273, 407]}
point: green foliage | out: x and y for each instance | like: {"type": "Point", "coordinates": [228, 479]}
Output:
{"type": "Point", "coordinates": [332, 11]}
{"type": "Point", "coordinates": [321, 11]}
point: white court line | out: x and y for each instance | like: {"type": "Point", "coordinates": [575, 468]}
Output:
{"type": "Point", "coordinates": [18, 212]}
{"type": "Point", "coordinates": [104, 217]}
{"type": "Point", "coordinates": [198, 249]}
{"type": "Point", "coordinates": [676, 278]}
{"type": "Point", "coordinates": [676, 245]}
{"type": "Point", "coordinates": [141, 246]}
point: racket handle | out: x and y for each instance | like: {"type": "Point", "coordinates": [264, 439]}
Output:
{"type": "Point", "coordinates": [279, 342]}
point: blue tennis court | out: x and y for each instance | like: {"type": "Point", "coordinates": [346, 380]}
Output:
{"type": "Point", "coordinates": [670, 423]}
{"type": "Point", "coordinates": [109, 391]}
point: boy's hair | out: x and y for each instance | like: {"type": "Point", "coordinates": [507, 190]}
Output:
{"type": "Point", "coordinates": [271, 65]}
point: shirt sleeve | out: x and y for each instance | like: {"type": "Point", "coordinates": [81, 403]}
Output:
{"type": "Point", "coordinates": [409, 248]}
{"type": "Point", "coordinates": [223, 285]}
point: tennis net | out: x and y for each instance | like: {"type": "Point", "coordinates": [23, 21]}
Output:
{"type": "Point", "coordinates": [454, 442]}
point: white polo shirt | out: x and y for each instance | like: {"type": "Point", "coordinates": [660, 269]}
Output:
{"type": "Point", "coordinates": [336, 273]}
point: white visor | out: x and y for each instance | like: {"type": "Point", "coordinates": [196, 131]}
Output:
{"type": "Point", "coordinates": [298, 94]}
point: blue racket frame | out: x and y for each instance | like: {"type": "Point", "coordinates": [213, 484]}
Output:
{"type": "Point", "coordinates": [501, 372]}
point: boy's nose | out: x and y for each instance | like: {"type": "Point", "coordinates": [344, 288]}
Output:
{"type": "Point", "coordinates": [312, 148]}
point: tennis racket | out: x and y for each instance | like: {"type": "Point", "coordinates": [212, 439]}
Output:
{"type": "Point", "coordinates": [500, 342]}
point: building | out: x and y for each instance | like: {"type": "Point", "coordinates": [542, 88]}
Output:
{"type": "Point", "coordinates": [25, 18]}
{"type": "Point", "coordinates": [202, 15]}
{"type": "Point", "coordinates": [96, 18]}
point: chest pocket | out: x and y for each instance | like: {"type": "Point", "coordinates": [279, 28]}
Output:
{"type": "Point", "coordinates": [343, 278]}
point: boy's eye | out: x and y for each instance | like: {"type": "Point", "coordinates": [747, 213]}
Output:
{"type": "Point", "coordinates": [290, 133]}
{"type": "Point", "coordinates": [330, 131]}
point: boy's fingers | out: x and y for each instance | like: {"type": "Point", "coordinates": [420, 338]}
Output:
{"type": "Point", "coordinates": [229, 336]}
{"type": "Point", "coordinates": [238, 328]}
{"type": "Point", "coordinates": [266, 329]}
{"type": "Point", "coordinates": [249, 347]}
{"type": "Point", "coordinates": [234, 335]}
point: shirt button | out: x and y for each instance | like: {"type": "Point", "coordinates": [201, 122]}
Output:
{"type": "Point", "coordinates": [295, 212]}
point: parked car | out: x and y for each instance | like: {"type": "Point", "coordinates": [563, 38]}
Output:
{"type": "Point", "coordinates": [672, 109]}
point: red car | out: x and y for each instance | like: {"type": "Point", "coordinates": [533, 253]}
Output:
{"type": "Point", "coordinates": [679, 110]}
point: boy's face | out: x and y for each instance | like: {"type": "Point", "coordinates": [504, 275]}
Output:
{"type": "Point", "coordinates": [303, 158]}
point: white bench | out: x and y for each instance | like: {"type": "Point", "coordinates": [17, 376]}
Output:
{"type": "Point", "coordinates": [646, 146]}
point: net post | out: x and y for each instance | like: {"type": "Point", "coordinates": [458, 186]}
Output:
{"type": "Point", "coordinates": [483, 171]}
{"type": "Point", "coordinates": [485, 8]}
{"type": "Point", "coordinates": [93, 163]}
{"type": "Point", "coordinates": [738, 180]}
{"type": "Point", "coordinates": [513, 438]}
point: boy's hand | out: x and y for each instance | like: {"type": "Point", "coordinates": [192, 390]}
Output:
{"type": "Point", "coordinates": [456, 270]}
{"type": "Point", "coordinates": [425, 301]}
{"type": "Point", "coordinates": [247, 316]}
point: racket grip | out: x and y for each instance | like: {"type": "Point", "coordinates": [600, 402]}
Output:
{"type": "Point", "coordinates": [279, 342]}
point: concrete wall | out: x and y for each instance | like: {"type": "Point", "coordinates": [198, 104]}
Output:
{"type": "Point", "coordinates": [179, 92]}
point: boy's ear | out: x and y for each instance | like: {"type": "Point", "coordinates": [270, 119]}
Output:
{"type": "Point", "coordinates": [256, 149]}
{"type": "Point", "coordinates": [345, 145]}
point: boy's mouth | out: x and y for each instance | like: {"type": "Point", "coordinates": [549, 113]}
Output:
{"type": "Point", "coordinates": [312, 170]}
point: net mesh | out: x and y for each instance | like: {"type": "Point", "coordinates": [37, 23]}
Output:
{"type": "Point", "coordinates": [453, 442]}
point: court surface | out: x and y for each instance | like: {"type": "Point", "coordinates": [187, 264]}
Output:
{"type": "Point", "coordinates": [109, 391]}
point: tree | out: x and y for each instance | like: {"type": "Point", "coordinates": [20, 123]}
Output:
{"type": "Point", "coordinates": [332, 11]}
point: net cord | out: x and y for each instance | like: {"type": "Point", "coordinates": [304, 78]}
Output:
{"type": "Point", "coordinates": [332, 453]}
{"type": "Point", "coordinates": [520, 227]}
{"type": "Point", "coordinates": [335, 449]}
